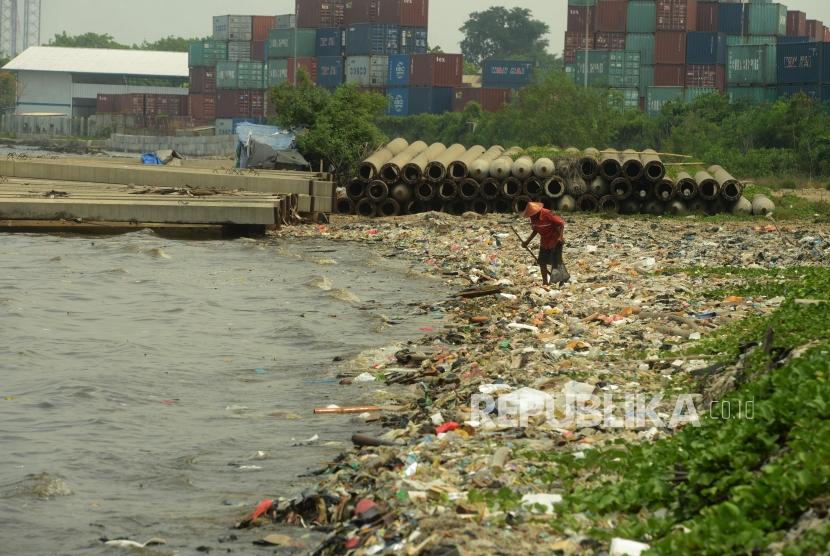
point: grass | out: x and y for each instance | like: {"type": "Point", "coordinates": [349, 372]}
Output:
{"type": "Point", "coordinates": [730, 486]}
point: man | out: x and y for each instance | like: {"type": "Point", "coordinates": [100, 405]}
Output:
{"type": "Point", "coordinates": [551, 229]}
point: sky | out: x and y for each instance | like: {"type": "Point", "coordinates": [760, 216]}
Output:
{"type": "Point", "coordinates": [131, 22]}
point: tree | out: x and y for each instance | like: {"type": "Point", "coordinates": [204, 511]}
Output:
{"type": "Point", "coordinates": [298, 107]}
{"type": "Point", "coordinates": [168, 44]}
{"type": "Point", "coordinates": [87, 40]}
{"type": "Point", "coordinates": [8, 89]}
{"type": "Point", "coordinates": [503, 33]}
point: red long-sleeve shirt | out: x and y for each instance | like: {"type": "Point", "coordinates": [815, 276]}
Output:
{"type": "Point", "coordinates": [550, 227]}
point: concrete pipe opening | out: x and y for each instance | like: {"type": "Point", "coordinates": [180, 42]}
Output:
{"type": "Point", "coordinates": [512, 187]}
{"type": "Point", "coordinates": [425, 191]}
{"type": "Point", "coordinates": [389, 207]}
{"type": "Point", "coordinates": [414, 207]}
{"type": "Point", "coordinates": [502, 205]}
{"type": "Point", "coordinates": [664, 190]}
{"type": "Point", "coordinates": [609, 204]}
{"type": "Point", "coordinates": [390, 173]}
{"type": "Point", "coordinates": [629, 206]}
{"type": "Point", "coordinates": [366, 208]}
{"type": "Point", "coordinates": [458, 170]}
{"type": "Point", "coordinates": [610, 169]}
{"type": "Point", "coordinates": [642, 191]}
{"type": "Point", "coordinates": [533, 187]}
{"type": "Point", "coordinates": [356, 190]}
{"type": "Point", "coordinates": [554, 187]}
{"type": "Point", "coordinates": [687, 189]}
{"type": "Point", "coordinates": [469, 189]}
{"type": "Point", "coordinates": [588, 168]}
{"type": "Point", "coordinates": [436, 172]}
{"type": "Point", "coordinates": [520, 204]}
{"type": "Point", "coordinates": [435, 204]}
{"type": "Point", "coordinates": [588, 203]}
{"type": "Point", "coordinates": [708, 190]}
{"type": "Point", "coordinates": [377, 191]}
{"type": "Point", "coordinates": [412, 174]}
{"type": "Point", "coordinates": [490, 188]}
{"type": "Point", "coordinates": [344, 206]}
{"type": "Point", "coordinates": [633, 169]}
{"type": "Point", "coordinates": [455, 207]}
{"type": "Point", "coordinates": [479, 206]}
{"type": "Point", "coordinates": [621, 188]}
{"type": "Point", "coordinates": [731, 191]}
{"type": "Point", "coordinates": [655, 171]}
{"type": "Point", "coordinates": [448, 190]}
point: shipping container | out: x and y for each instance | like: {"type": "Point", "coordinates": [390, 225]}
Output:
{"type": "Point", "coordinates": [692, 93]}
{"type": "Point", "coordinates": [753, 95]}
{"type": "Point", "coordinates": [331, 41]}
{"type": "Point", "coordinates": [367, 71]}
{"type": "Point", "coordinates": [224, 126]}
{"type": "Point", "coordinates": [826, 34]}
{"type": "Point", "coordinates": [506, 73]}
{"type": "Point", "coordinates": [405, 13]}
{"type": "Point", "coordinates": [292, 43]}
{"type": "Point", "coordinates": [597, 68]}
{"type": "Point", "coordinates": [646, 79]}
{"type": "Point", "coordinates": [581, 19]}
{"type": "Point", "coordinates": [106, 104]}
{"type": "Point", "coordinates": [812, 90]}
{"type": "Point", "coordinates": [609, 41]}
{"type": "Point", "coordinates": [367, 39]}
{"type": "Point", "coordinates": [400, 68]}
{"type": "Point", "coordinates": [732, 19]}
{"type": "Point", "coordinates": [130, 103]}
{"type": "Point", "coordinates": [203, 80]}
{"type": "Point", "coordinates": [815, 30]}
{"type": "Point", "coordinates": [437, 70]}
{"type": "Point", "coordinates": [232, 27]}
{"type": "Point", "coordinates": [737, 40]}
{"type": "Point", "coordinates": [644, 44]}
{"type": "Point", "coordinates": [705, 48]}
{"type": "Point", "coordinates": [804, 63]}
{"type": "Point", "coordinates": [409, 101]}
{"type": "Point", "coordinates": [258, 51]}
{"type": "Point", "coordinates": [670, 47]}
{"type": "Point", "coordinates": [624, 69]}
{"type": "Point", "coordinates": [165, 105]}
{"type": "Point", "coordinates": [490, 99]}
{"type": "Point", "coordinates": [226, 75]}
{"type": "Point", "coordinates": [624, 99]}
{"type": "Point", "coordinates": [577, 41]}
{"type": "Point", "coordinates": [642, 16]}
{"type": "Point", "coordinates": [582, 2]}
{"type": "Point", "coordinates": [707, 16]}
{"type": "Point", "coordinates": [676, 15]}
{"type": "Point", "coordinates": [261, 25]}
{"type": "Point", "coordinates": [611, 15]}
{"type": "Point", "coordinates": [251, 75]}
{"type": "Point", "coordinates": [793, 40]}
{"type": "Point", "coordinates": [286, 21]}
{"type": "Point", "coordinates": [207, 53]}
{"type": "Point", "coordinates": [706, 76]}
{"type": "Point", "coordinates": [330, 72]}
{"type": "Point", "coordinates": [202, 108]}
{"type": "Point", "coordinates": [767, 19]}
{"type": "Point", "coordinates": [413, 40]}
{"type": "Point", "coordinates": [240, 103]}
{"type": "Point", "coordinates": [669, 75]}
{"type": "Point", "coordinates": [282, 70]}
{"type": "Point", "coordinates": [320, 13]}
{"type": "Point", "coordinates": [751, 65]}
{"type": "Point", "coordinates": [658, 97]}
{"type": "Point", "coordinates": [796, 24]}
{"type": "Point", "coordinates": [239, 51]}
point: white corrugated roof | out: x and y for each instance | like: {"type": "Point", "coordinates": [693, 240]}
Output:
{"type": "Point", "coordinates": [100, 60]}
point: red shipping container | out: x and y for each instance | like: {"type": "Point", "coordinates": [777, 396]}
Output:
{"type": "Point", "coordinates": [258, 51]}
{"type": "Point", "coordinates": [308, 64]}
{"type": "Point", "coordinates": [163, 105]}
{"type": "Point", "coordinates": [708, 76]}
{"type": "Point", "coordinates": [202, 107]}
{"type": "Point", "coordinates": [576, 41]}
{"type": "Point", "coordinates": [106, 104]}
{"type": "Point", "coordinates": [826, 34]}
{"type": "Point", "coordinates": [707, 17]}
{"type": "Point", "coordinates": [320, 13]}
{"type": "Point", "coordinates": [609, 41]}
{"type": "Point", "coordinates": [669, 75]}
{"type": "Point", "coordinates": [132, 103]}
{"type": "Point", "coordinates": [261, 24]}
{"type": "Point", "coordinates": [578, 16]}
{"type": "Point", "coordinates": [669, 47]}
{"type": "Point", "coordinates": [437, 70]}
{"type": "Point", "coordinates": [676, 15]}
{"type": "Point", "coordinates": [491, 100]}
{"type": "Point", "coordinates": [815, 30]}
{"type": "Point", "coordinates": [612, 15]}
{"type": "Point", "coordinates": [361, 11]}
{"type": "Point", "coordinates": [796, 24]}
{"type": "Point", "coordinates": [203, 80]}
{"type": "Point", "coordinates": [405, 13]}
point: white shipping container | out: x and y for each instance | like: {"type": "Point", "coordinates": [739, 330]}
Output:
{"type": "Point", "coordinates": [239, 51]}
{"type": "Point", "coordinates": [233, 28]}
{"type": "Point", "coordinates": [367, 71]}
{"type": "Point", "coordinates": [287, 21]}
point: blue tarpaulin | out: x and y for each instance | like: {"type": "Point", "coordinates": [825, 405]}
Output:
{"type": "Point", "coordinates": [151, 158]}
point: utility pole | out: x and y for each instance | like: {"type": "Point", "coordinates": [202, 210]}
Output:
{"type": "Point", "coordinates": [587, 31]}
{"type": "Point", "coordinates": [13, 38]}
{"type": "Point", "coordinates": [31, 24]}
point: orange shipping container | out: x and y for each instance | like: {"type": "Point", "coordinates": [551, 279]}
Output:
{"type": "Point", "coordinates": [491, 100]}
{"type": "Point", "coordinates": [261, 24]}
{"type": "Point", "coordinates": [669, 47]}
{"type": "Point", "coordinates": [612, 15]}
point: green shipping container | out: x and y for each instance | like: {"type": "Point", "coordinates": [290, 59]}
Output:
{"type": "Point", "coordinates": [624, 68]}
{"type": "Point", "coordinates": [767, 19]}
{"type": "Point", "coordinates": [751, 65]}
{"type": "Point", "coordinates": [737, 40]}
{"type": "Point", "coordinates": [642, 16]}
{"type": "Point", "coordinates": [755, 95]}
{"type": "Point", "coordinates": [227, 75]}
{"type": "Point", "coordinates": [646, 79]}
{"type": "Point", "coordinates": [277, 72]}
{"type": "Point", "coordinates": [582, 2]}
{"type": "Point", "coordinates": [644, 44]}
{"type": "Point", "coordinates": [658, 97]}
{"type": "Point", "coordinates": [250, 75]}
{"type": "Point", "coordinates": [625, 99]}
{"type": "Point", "coordinates": [694, 92]}
{"type": "Point", "coordinates": [281, 43]}
{"type": "Point", "coordinates": [597, 68]}
{"type": "Point", "coordinates": [207, 53]}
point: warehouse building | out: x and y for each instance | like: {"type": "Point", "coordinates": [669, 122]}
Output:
{"type": "Point", "coordinates": [68, 81]}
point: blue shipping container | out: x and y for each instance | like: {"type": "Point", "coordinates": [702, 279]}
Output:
{"type": "Point", "coordinates": [812, 91]}
{"type": "Point", "coordinates": [400, 66]}
{"type": "Point", "coordinates": [705, 48]}
{"type": "Point", "coordinates": [506, 73]}
{"type": "Point", "coordinates": [793, 40]}
{"type": "Point", "coordinates": [413, 40]}
{"type": "Point", "coordinates": [732, 19]}
{"type": "Point", "coordinates": [329, 42]}
{"type": "Point", "coordinates": [365, 39]}
{"type": "Point", "coordinates": [408, 101]}
{"type": "Point", "coordinates": [330, 71]}
{"type": "Point", "coordinates": [804, 63]}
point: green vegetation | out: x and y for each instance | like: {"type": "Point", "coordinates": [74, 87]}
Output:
{"type": "Point", "coordinates": [499, 32]}
{"type": "Point", "coordinates": [8, 87]}
{"type": "Point", "coordinates": [95, 40]}
{"type": "Point", "coordinates": [737, 485]}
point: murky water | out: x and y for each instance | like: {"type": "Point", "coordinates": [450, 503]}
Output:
{"type": "Point", "coordinates": [158, 388]}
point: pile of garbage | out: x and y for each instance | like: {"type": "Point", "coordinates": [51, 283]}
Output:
{"type": "Point", "coordinates": [402, 178]}
{"type": "Point", "coordinates": [445, 479]}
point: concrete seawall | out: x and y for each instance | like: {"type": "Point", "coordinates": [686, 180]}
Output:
{"type": "Point", "coordinates": [216, 145]}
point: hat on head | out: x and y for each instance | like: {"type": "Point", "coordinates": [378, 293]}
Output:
{"type": "Point", "coordinates": [533, 209]}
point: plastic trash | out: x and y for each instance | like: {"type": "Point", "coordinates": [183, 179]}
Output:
{"type": "Point", "coordinates": [490, 389]}
{"type": "Point", "coordinates": [524, 401]}
{"type": "Point", "coordinates": [447, 427]}
{"type": "Point", "coordinates": [519, 326]}
{"type": "Point", "coordinates": [364, 377]}
{"type": "Point", "coordinates": [548, 501]}
{"type": "Point", "coordinates": [624, 547]}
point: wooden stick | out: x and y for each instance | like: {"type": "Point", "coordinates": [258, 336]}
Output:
{"type": "Point", "coordinates": [532, 254]}
{"type": "Point", "coordinates": [346, 410]}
